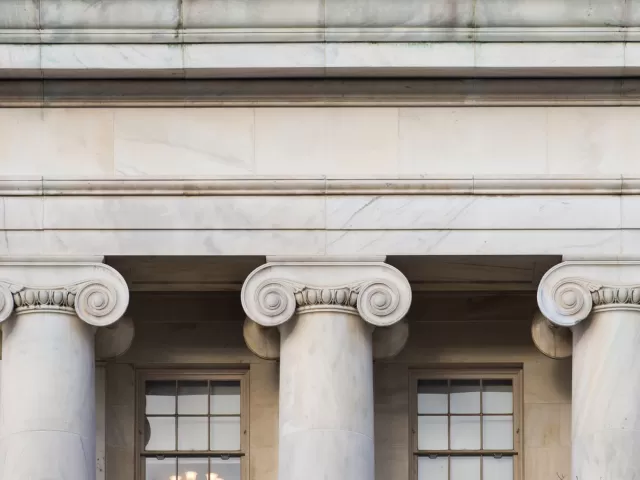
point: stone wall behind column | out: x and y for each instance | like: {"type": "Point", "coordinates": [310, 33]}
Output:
{"type": "Point", "coordinates": [205, 330]}
{"type": "Point", "coordinates": [469, 331]}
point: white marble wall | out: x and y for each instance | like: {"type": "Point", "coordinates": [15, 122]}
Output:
{"type": "Point", "coordinates": [384, 141]}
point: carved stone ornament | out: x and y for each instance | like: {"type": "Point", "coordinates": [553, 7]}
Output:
{"type": "Point", "coordinates": [377, 292]}
{"type": "Point", "coordinates": [570, 291]}
{"type": "Point", "coordinates": [95, 292]}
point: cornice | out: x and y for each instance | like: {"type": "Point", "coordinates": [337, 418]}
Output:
{"type": "Point", "coordinates": [120, 34]}
{"type": "Point", "coordinates": [375, 291]}
{"type": "Point", "coordinates": [95, 292]}
{"type": "Point", "coordinates": [570, 291]}
{"type": "Point", "coordinates": [319, 185]}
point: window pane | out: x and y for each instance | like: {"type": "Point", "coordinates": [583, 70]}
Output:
{"type": "Point", "coordinates": [161, 433]}
{"type": "Point", "coordinates": [160, 397]}
{"type": "Point", "coordinates": [497, 396]}
{"type": "Point", "coordinates": [497, 468]}
{"type": "Point", "coordinates": [433, 468]}
{"type": "Point", "coordinates": [225, 433]}
{"type": "Point", "coordinates": [497, 431]}
{"type": "Point", "coordinates": [465, 468]}
{"type": "Point", "coordinates": [465, 433]}
{"type": "Point", "coordinates": [465, 396]}
{"type": "Point", "coordinates": [433, 433]}
{"type": "Point", "coordinates": [192, 433]}
{"type": "Point", "coordinates": [164, 469]}
{"type": "Point", "coordinates": [225, 398]}
{"type": "Point", "coordinates": [193, 468]}
{"type": "Point", "coordinates": [433, 396]}
{"type": "Point", "coordinates": [193, 397]}
{"type": "Point", "coordinates": [225, 469]}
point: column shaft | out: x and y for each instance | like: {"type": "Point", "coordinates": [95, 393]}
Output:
{"type": "Point", "coordinates": [606, 396]}
{"type": "Point", "coordinates": [47, 398]}
{"type": "Point", "coordinates": [326, 397]}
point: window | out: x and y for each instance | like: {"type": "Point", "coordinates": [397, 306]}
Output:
{"type": "Point", "coordinates": [466, 425]}
{"type": "Point", "coordinates": [192, 426]}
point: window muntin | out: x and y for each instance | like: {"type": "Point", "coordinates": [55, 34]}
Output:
{"type": "Point", "coordinates": [466, 425]}
{"type": "Point", "coordinates": [192, 426]}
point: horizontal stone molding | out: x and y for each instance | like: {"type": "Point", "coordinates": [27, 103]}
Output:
{"type": "Point", "coordinates": [571, 291]}
{"type": "Point", "coordinates": [320, 185]}
{"type": "Point", "coordinates": [320, 60]}
{"type": "Point", "coordinates": [249, 34]}
{"type": "Point", "coordinates": [320, 216]}
{"type": "Point", "coordinates": [50, 93]}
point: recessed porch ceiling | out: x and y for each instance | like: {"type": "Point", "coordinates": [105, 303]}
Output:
{"type": "Point", "coordinates": [426, 273]}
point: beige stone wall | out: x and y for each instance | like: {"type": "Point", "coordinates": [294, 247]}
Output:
{"type": "Point", "coordinates": [366, 141]}
{"type": "Point", "coordinates": [489, 330]}
{"type": "Point", "coordinates": [205, 330]}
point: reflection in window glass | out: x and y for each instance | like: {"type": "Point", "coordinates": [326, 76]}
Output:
{"type": "Point", "coordinates": [497, 468]}
{"type": "Point", "coordinates": [162, 433]}
{"type": "Point", "coordinates": [433, 468]}
{"type": "Point", "coordinates": [225, 469]}
{"type": "Point", "coordinates": [465, 396]}
{"type": "Point", "coordinates": [465, 433]}
{"type": "Point", "coordinates": [225, 433]}
{"type": "Point", "coordinates": [433, 433]}
{"type": "Point", "coordinates": [185, 423]}
{"type": "Point", "coordinates": [193, 397]}
{"type": "Point", "coordinates": [497, 396]}
{"type": "Point", "coordinates": [225, 398]}
{"type": "Point", "coordinates": [433, 396]}
{"type": "Point", "coordinates": [465, 468]}
{"type": "Point", "coordinates": [465, 427]}
{"type": "Point", "coordinates": [160, 469]}
{"type": "Point", "coordinates": [160, 398]}
{"type": "Point", "coordinates": [193, 468]}
{"type": "Point", "coordinates": [192, 433]}
{"type": "Point", "coordinates": [497, 432]}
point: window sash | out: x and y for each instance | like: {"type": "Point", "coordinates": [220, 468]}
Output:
{"type": "Point", "coordinates": [241, 376]}
{"type": "Point", "coordinates": [514, 374]}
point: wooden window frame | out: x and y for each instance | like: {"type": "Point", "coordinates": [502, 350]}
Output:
{"type": "Point", "coordinates": [480, 373]}
{"type": "Point", "coordinates": [213, 375]}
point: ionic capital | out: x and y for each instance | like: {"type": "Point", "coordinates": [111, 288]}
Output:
{"type": "Point", "coordinates": [375, 291]}
{"type": "Point", "coordinates": [93, 291]}
{"type": "Point", "coordinates": [570, 291]}
{"type": "Point", "coordinates": [274, 292]}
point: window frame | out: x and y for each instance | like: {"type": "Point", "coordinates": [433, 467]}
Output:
{"type": "Point", "coordinates": [480, 373]}
{"type": "Point", "coordinates": [177, 375]}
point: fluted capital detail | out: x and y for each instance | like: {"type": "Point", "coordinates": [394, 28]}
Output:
{"type": "Point", "coordinates": [95, 292]}
{"type": "Point", "coordinates": [378, 292]}
{"type": "Point", "coordinates": [570, 291]}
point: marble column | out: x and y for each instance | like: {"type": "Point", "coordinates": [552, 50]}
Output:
{"type": "Point", "coordinates": [49, 312]}
{"type": "Point", "coordinates": [600, 303]}
{"type": "Point", "coordinates": [332, 317]}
